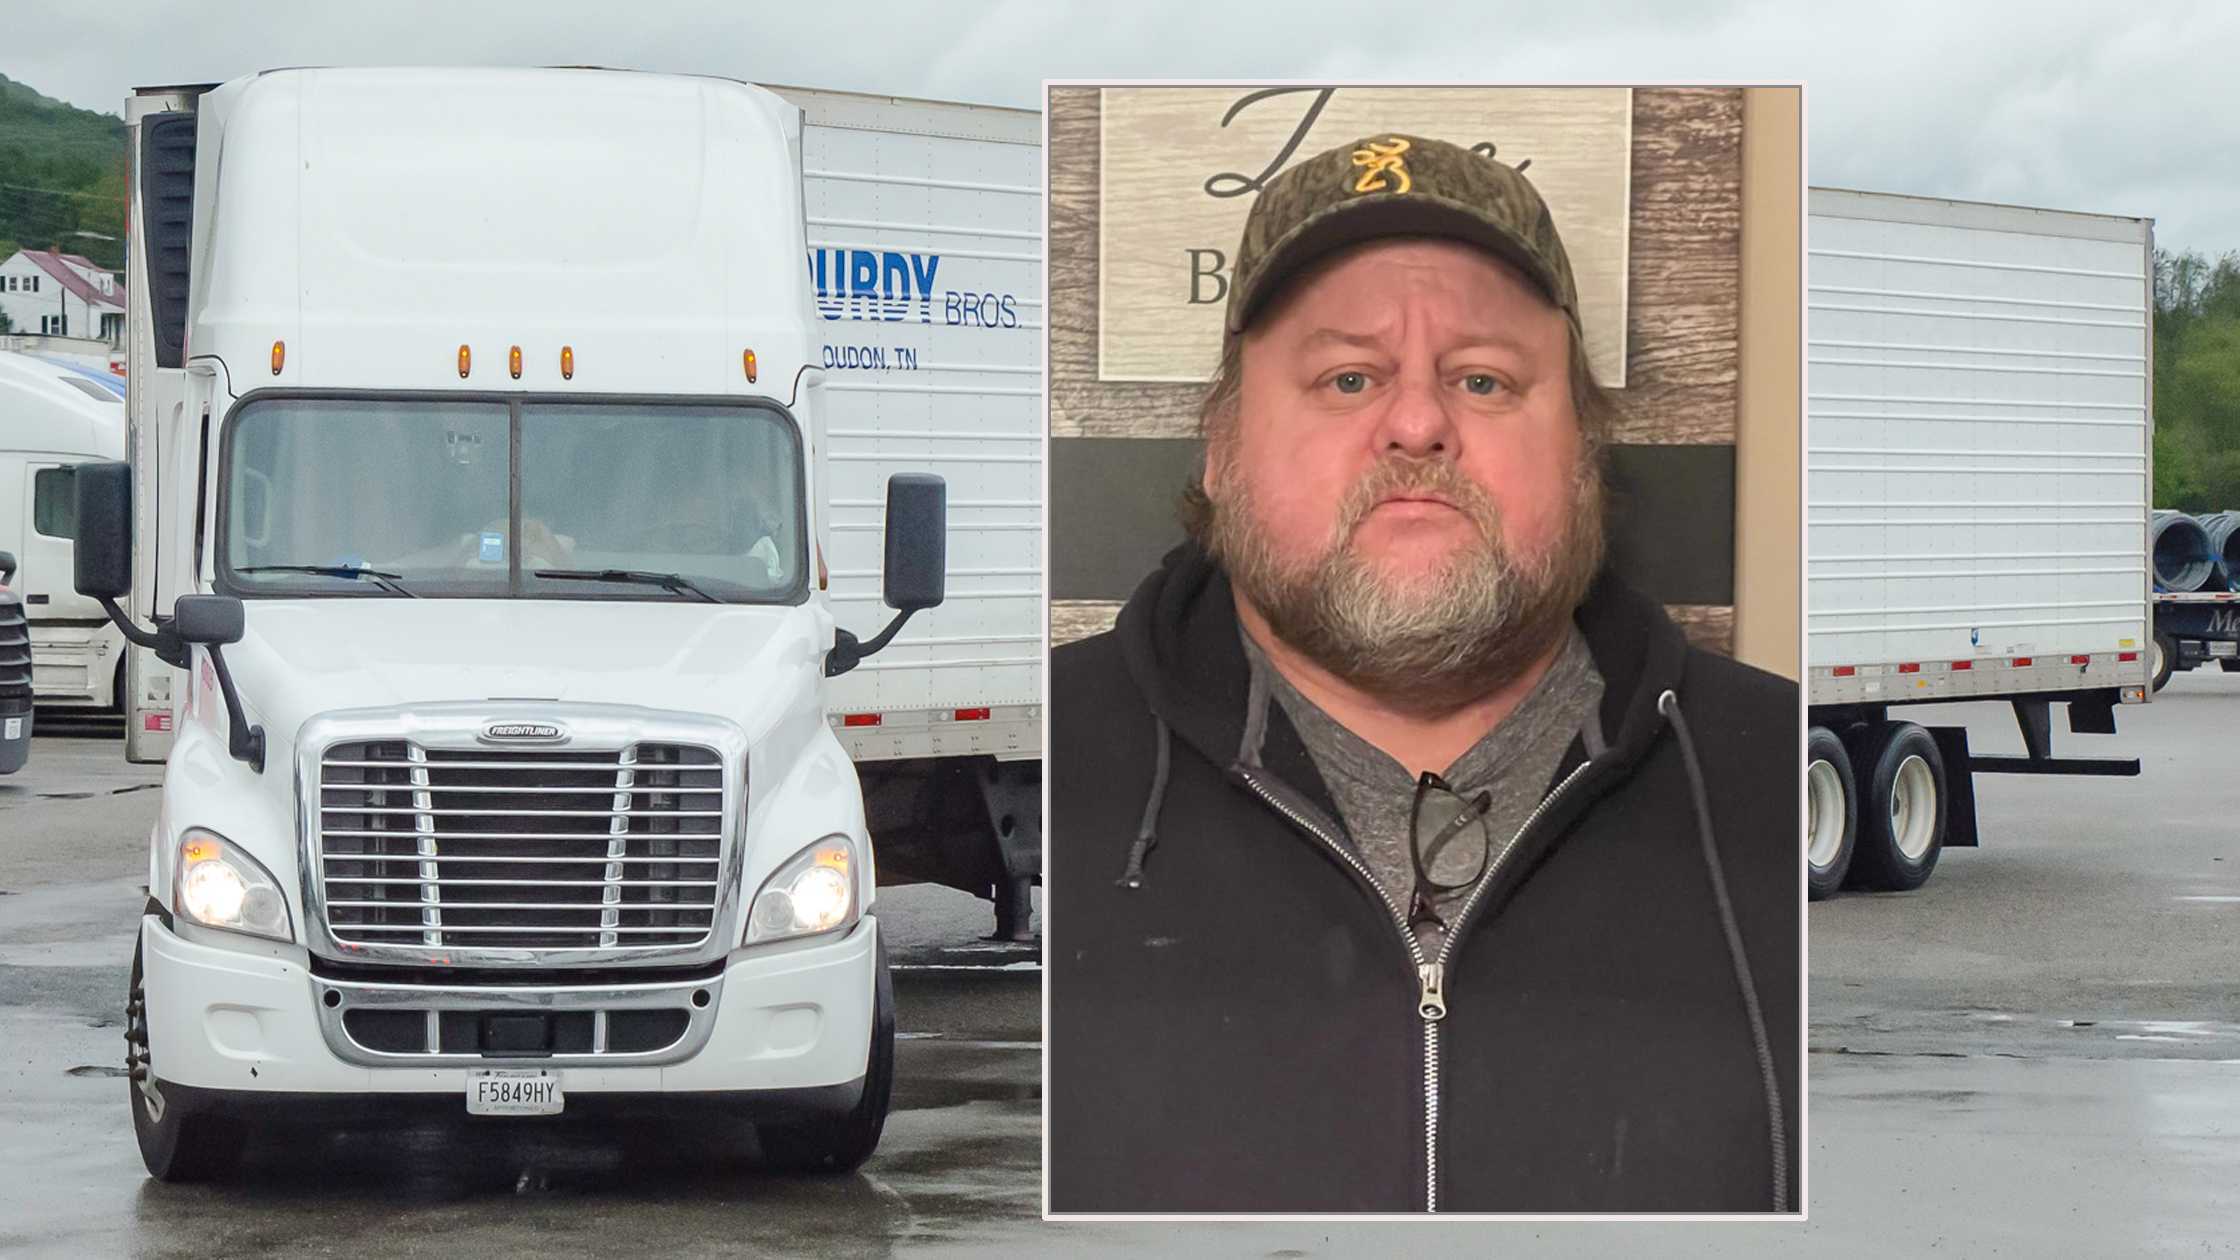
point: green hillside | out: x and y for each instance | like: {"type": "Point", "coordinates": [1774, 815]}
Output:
{"type": "Point", "coordinates": [62, 179]}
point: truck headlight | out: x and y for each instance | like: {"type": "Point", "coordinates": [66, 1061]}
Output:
{"type": "Point", "coordinates": [220, 886]}
{"type": "Point", "coordinates": [815, 891]}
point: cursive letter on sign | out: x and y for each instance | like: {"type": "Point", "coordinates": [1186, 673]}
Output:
{"type": "Point", "coordinates": [1487, 148]}
{"type": "Point", "coordinates": [1237, 184]}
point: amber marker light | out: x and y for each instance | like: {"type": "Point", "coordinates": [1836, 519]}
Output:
{"type": "Point", "coordinates": [279, 356]}
{"type": "Point", "coordinates": [748, 359]}
{"type": "Point", "coordinates": [466, 362]}
{"type": "Point", "coordinates": [567, 363]}
{"type": "Point", "coordinates": [513, 362]}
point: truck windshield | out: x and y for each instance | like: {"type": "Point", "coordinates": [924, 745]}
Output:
{"type": "Point", "coordinates": [470, 498]}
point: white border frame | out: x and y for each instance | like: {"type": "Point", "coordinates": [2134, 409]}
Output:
{"type": "Point", "coordinates": [1804, 933]}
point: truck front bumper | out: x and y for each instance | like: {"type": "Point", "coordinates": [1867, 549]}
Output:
{"type": "Point", "coordinates": [790, 1024]}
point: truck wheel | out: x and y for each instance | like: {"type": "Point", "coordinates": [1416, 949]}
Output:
{"type": "Point", "coordinates": [2229, 665]}
{"type": "Point", "coordinates": [2165, 658]}
{"type": "Point", "coordinates": [176, 1144]}
{"type": "Point", "coordinates": [840, 1145]}
{"type": "Point", "coordinates": [1831, 812]}
{"type": "Point", "coordinates": [1901, 806]}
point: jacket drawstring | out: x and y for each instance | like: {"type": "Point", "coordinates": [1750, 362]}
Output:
{"type": "Point", "coordinates": [1248, 753]}
{"type": "Point", "coordinates": [1668, 704]}
{"type": "Point", "coordinates": [1147, 831]}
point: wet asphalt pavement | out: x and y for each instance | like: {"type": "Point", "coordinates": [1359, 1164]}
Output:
{"type": "Point", "coordinates": [2037, 1054]}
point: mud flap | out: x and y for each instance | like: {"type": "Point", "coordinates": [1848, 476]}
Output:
{"type": "Point", "coordinates": [1959, 786]}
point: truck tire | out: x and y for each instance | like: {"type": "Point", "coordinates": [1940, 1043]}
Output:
{"type": "Point", "coordinates": [2229, 665]}
{"type": "Point", "coordinates": [841, 1144]}
{"type": "Point", "coordinates": [176, 1144]}
{"type": "Point", "coordinates": [2165, 658]}
{"type": "Point", "coordinates": [1831, 820]}
{"type": "Point", "coordinates": [1901, 806]}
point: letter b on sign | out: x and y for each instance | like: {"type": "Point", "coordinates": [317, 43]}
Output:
{"type": "Point", "coordinates": [1205, 265]}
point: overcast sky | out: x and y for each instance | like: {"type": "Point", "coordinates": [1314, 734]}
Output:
{"type": "Point", "coordinates": [2050, 103]}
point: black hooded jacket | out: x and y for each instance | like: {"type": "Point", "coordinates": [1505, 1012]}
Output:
{"type": "Point", "coordinates": [1237, 1021]}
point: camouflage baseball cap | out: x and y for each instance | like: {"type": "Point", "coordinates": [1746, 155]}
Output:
{"type": "Point", "coordinates": [1394, 185]}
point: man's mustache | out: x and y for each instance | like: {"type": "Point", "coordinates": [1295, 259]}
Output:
{"type": "Point", "coordinates": [1408, 477]}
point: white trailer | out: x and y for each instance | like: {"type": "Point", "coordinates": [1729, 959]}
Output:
{"type": "Point", "coordinates": [1979, 413]}
{"type": "Point", "coordinates": [54, 416]}
{"type": "Point", "coordinates": [925, 255]}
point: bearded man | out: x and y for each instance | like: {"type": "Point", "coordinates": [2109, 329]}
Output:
{"type": "Point", "coordinates": [1401, 859]}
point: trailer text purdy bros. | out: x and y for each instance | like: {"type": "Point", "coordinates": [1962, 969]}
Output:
{"type": "Point", "coordinates": [504, 561]}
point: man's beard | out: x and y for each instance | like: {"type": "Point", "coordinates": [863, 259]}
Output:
{"type": "Point", "coordinates": [1440, 638]}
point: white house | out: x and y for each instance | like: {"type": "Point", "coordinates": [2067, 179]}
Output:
{"type": "Point", "coordinates": [61, 295]}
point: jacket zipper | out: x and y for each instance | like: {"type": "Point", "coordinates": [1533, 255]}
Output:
{"type": "Point", "coordinates": [1431, 974]}
{"type": "Point", "coordinates": [1431, 1003]}
{"type": "Point", "coordinates": [1435, 978]}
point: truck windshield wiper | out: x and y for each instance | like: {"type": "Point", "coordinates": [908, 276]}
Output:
{"type": "Point", "coordinates": [386, 581]}
{"type": "Point", "coordinates": [676, 583]}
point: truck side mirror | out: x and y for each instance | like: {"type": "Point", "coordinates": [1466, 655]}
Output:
{"type": "Point", "coordinates": [917, 563]}
{"type": "Point", "coordinates": [7, 567]}
{"type": "Point", "coordinates": [103, 563]}
{"type": "Point", "coordinates": [917, 560]}
{"type": "Point", "coordinates": [104, 542]}
{"type": "Point", "coordinates": [214, 620]}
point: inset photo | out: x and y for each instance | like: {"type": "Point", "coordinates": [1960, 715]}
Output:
{"type": "Point", "coordinates": [1425, 557]}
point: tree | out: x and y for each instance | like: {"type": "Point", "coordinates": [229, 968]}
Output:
{"type": "Point", "coordinates": [2197, 381]}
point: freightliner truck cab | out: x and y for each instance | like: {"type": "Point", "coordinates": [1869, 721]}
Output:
{"type": "Point", "coordinates": [470, 496]}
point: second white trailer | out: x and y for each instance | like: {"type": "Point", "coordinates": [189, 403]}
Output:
{"type": "Point", "coordinates": [1979, 471]}
{"type": "Point", "coordinates": [925, 258]}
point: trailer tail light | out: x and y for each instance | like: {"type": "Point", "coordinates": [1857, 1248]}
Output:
{"type": "Point", "coordinates": [2127, 657]}
{"type": "Point", "coordinates": [1963, 664]}
{"type": "Point", "coordinates": [972, 715]}
{"type": "Point", "coordinates": [513, 362]}
{"type": "Point", "coordinates": [746, 360]}
{"type": "Point", "coordinates": [2022, 662]}
{"type": "Point", "coordinates": [567, 363]}
{"type": "Point", "coordinates": [1910, 667]}
{"type": "Point", "coordinates": [466, 362]}
{"type": "Point", "coordinates": [860, 719]}
{"type": "Point", "coordinates": [279, 356]}
{"type": "Point", "coordinates": [1844, 671]}
{"type": "Point", "coordinates": [2080, 660]}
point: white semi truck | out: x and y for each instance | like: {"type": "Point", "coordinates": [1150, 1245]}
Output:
{"type": "Point", "coordinates": [505, 520]}
{"type": "Point", "coordinates": [53, 417]}
{"type": "Point", "coordinates": [1980, 406]}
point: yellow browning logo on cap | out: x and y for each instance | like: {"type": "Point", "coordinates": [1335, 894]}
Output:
{"type": "Point", "coordinates": [1381, 161]}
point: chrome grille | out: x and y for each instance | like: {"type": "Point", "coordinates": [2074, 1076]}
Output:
{"type": "Point", "coordinates": [547, 850]}
{"type": "Point", "coordinates": [15, 655]}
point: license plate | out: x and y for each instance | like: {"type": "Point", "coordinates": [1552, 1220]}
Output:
{"type": "Point", "coordinates": [513, 1092]}
{"type": "Point", "coordinates": [2223, 647]}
